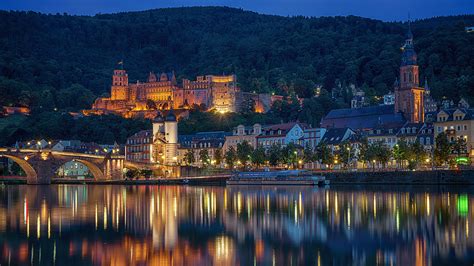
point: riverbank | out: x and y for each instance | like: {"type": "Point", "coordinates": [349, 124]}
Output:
{"type": "Point", "coordinates": [438, 177]}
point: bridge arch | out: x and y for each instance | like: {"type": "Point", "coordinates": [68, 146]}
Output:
{"type": "Point", "coordinates": [93, 168]}
{"type": "Point", "coordinates": [29, 170]}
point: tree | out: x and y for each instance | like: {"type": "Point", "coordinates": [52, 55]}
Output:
{"type": "Point", "coordinates": [204, 157]}
{"type": "Point", "coordinates": [274, 155]}
{"type": "Point", "coordinates": [132, 173]}
{"type": "Point", "coordinates": [459, 147]}
{"type": "Point", "coordinates": [230, 157]}
{"type": "Point", "coordinates": [290, 155]}
{"type": "Point", "coordinates": [218, 156]}
{"type": "Point", "coordinates": [383, 153]}
{"type": "Point", "coordinates": [146, 173]}
{"type": "Point", "coordinates": [189, 157]}
{"type": "Point", "coordinates": [401, 152]}
{"type": "Point", "coordinates": [442, 149]}
{"type": "Point", "coordinates": [309, 155]}
{"type": "Point", "coordinates": [417, 155]}
{"type": "Point", "coordinates": [363, 155]}
{"type": "Point", "coordinates": [244, 152]}
{"type": "Point", "coordinates": [258, 156]}
{"type": "Point", "coordinates": [346, 153]}
{"type": "Point", "coordinates": [76, 97]}
{"type": "Point", "coordinates": [324, 154]}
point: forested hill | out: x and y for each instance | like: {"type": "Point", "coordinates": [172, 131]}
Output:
{"type": "Point", "coordinates": [41, 56]}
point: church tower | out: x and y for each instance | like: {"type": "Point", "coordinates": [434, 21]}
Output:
{"type": "Point", "coordinates": [408, 95]}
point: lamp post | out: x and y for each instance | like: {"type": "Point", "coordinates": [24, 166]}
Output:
{"type": "Point", "coordinates": [348, 157]}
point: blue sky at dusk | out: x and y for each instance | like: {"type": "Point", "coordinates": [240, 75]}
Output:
{"type": "Point", "coordinates": [380, 9]}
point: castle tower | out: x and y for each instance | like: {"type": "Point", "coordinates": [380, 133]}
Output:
{"type": "Point", "coordinates": [119, 90]}
{"type": "Point", "coordinates": [408, 95]}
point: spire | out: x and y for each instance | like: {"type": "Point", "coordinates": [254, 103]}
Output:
{"type": "Point", "coordinates": [409, 33]}
{"type": "Point", "coordinates": [409, 56]}
{"type": "Point", "coordinates": [121, 64]}
{"type": "Point", "coordinates": [427, 87]}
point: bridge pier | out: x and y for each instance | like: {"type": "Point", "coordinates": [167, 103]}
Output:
{"type": "Point", "coordinates": [44, 173]}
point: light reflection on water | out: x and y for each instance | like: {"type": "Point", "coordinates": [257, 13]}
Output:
{"type": "Point", "coordinates": [138, 225]}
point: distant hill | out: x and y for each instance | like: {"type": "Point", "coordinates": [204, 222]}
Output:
{"type": "Point", "coordinates": [41, 56]}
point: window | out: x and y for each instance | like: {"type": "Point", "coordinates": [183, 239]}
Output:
{"type": "Point", "coordinates": [422, 140]}
{"type": "Point", "coordinates": [465, 127]}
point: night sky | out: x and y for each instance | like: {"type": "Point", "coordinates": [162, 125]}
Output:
{"type": "Point", "coordinates": [387, 10]}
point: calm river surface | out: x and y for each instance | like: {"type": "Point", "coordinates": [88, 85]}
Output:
{"type": "Point", "coordinates": [185, 225]}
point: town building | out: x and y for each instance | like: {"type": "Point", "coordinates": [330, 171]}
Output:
{"type": "Point", "coordinates": [389, 98]}
{"type": "Point", "coordinates": [430, 104]}
{"type": "Point", "coordinates": [391, 135]}
{"type": "Point", "coordinates": [362, 119]}
{"type": "Point", "coordinates": [408, 104]}
{"type": "Point", "coordinates": [159, 145]}
{"type": "Point", "coordinates": [385, 134]}
{"type": "Point", "coordinates": [313, 136]}
{"type": "Point", "coordinates": [334, 137]}
{"type": "Point", "coordinates": [457, 123]}
{"type": "Point", "coordinates": [242, 133]}
{"type": "Point", "coordinates": [139, 147]}
{"type": "Point", "coordinates": [12, 110]}
{"type": "Point", "coordinates": [282, 134]}
{"type": "Point", "coordinates": [212, 142]}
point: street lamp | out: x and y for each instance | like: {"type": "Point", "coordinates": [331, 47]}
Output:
{"type": "Point", "coordinates": [348, 156]}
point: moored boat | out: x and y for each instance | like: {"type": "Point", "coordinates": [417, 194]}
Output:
{"type": "Point", "coordinates": [281, 178]}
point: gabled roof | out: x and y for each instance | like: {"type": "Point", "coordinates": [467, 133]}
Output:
{"type": "Point", "coordinates": [469, 113]}
{"type": "Point", "coordinates": [142, 134]}
{"type": "Point", "coordinates": [362, 118]}
{"type": "Point", "coordinates": [335, 135]}
{"type": "Point", "coordinates": [285, 126]}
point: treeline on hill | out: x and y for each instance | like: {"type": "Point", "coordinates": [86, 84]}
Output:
{"type": "Point", "coordinates": [64, 62]}
{"type": "Point", "coordinates": [268, 53]}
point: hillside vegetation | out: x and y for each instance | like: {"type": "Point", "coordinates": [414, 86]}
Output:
{"type": "Point", "coordinates": [40, 55]}
{"type": "Point", "coordinates": [65, 62]}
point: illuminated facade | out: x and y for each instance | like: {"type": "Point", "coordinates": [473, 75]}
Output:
{"type": "Point", "coordinates": [159, 145]}
{"type": "Point", "coordinates": [162, 92]}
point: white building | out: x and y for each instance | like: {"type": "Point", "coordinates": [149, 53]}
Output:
{"type": "Point", "coordinates": [282, 134]}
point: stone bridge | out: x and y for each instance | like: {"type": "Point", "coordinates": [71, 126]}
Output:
{"type": "Point", "coordinates": [41, 166]}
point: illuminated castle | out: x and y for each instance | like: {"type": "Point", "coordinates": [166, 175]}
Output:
{"type": "Point", "coordinates": [161, 92]}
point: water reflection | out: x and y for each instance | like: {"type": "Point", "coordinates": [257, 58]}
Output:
{"type": "Point", "coordinates": [136, 225]}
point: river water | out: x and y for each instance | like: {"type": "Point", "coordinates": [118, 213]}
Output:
{"type": "Point", "coordinates": [187, 225]}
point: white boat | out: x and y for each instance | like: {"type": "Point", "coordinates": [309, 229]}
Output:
{"type": "Point", "coordinates": [283, 178]}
